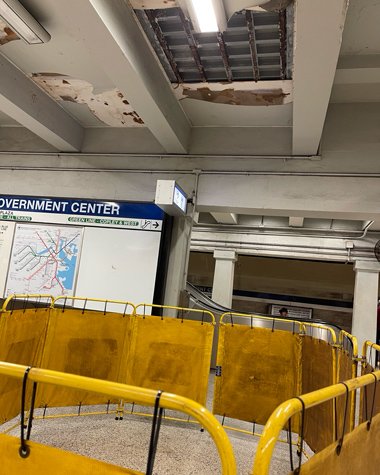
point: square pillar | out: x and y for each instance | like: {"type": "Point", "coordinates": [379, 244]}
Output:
{"type": "Point", "coordinates": [364, 317]}
{"type": "Point", "coordinates": [223, 285]}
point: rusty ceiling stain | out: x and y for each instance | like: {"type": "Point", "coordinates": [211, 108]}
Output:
{"type": "Point", "coordinates": [273, 97]}
{"type": "Point", "coordinates": [110, 107]}
{"type": "Point", "coordinates": [6, 34]}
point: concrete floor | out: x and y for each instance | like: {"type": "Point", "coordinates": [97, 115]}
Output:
{"type": "Point", "coordinates": [182, 448]}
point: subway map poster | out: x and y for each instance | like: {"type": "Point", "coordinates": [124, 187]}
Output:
{"type": "Point", "coordinates": [44, 260]}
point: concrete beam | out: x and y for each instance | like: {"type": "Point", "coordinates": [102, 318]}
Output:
{"type": "Point", "coordinates": [331, 197]}
{"type": "Point", "coordinates": [25, 102]}
{"type": "Point", "coordinates": [225, 218]}
{"type": "Point", "coordinates": [296, 221]}
{"type": "Point", "coordinates": [258, 243]}
{"type": "Point", "coordinates": [315, 60]}
{"type": "Point", "coordinates": [113, 37]}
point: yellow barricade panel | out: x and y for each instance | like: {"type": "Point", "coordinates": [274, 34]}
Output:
{"type": "Point", "coordinates": [318, 361]}
{"type": "Point", "coordinates": [259, 370]}
{"type": "Point", "coordinates": [367, 400]}
{"type": "Point", "coordinates": [86, 343]}
{"type": "Point", "coordinates": [172, 355]}
{"type": "Point", "coordinates": [49, 460]}
{"type": "Point", "coordinates": [22, 336]}
{"type": "Point", "coordinates": [359, 454]}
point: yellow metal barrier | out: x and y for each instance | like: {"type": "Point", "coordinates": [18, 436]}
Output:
{"type": "Point", "coordinates": [22, 338]}
{"type": "Point", "coordinates": [257, 368]}
{"type": "Point", "coordinates": [142, 396]}
{"type": "Point", "coordinates": [88, 343]}
{"type": "Point", "coordinates": [172, 354]}
{"type": "Point", "coordinates": [287, 409]}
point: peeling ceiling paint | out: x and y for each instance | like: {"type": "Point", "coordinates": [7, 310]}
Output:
{"type": "Point", "coordinates": [153, 4]}
{"type": "Point", "coordinates": [265, 93]}
{"type": "Point", "coordinates": [6, 34]}
{"type": "Point", "coordinates": [110, 107]}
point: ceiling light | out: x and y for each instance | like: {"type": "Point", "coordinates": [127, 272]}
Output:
{"type": "Point", "coordinates": [207, 15]}
{"type": "Point", "coordinates": [22, 22]}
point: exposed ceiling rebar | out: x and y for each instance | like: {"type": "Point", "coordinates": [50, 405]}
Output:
{"type": "Point", "coordinates": [252, 44]}
{"type": "Point", "coordinates": [152, 17]}
{"type": "Point", "coordinates": [253, 47]}
{"type": "Point", "coordinates": [223, 52]}
{"type": "Point", "coordinates": [282, 28]}
{"type": "Point", "coordinates": [192, 43]}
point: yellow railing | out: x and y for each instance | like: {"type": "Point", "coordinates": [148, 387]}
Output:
{"type": "Point", "coordinates": [368, 344]}
{"type": "Point", "coordinates": [321, 328]}
{"type": "Point", "coordinates": [139, 396]}
{"type": "Point", "coordinates": [26, 298]}
{"type": "Point", "coordinates": [355, 358]}
{"type": "Point", "coordinates": [286, 410]}
{"type": "Point", "coordinates": [140, 310]}
{"type": "Point", "coordinates": [66, 298]}
{"type": "Point", "coordinates": [253, 317]}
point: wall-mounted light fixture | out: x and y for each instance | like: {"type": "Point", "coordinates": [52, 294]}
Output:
{"type": "Point", "coordinates": [22, 22]}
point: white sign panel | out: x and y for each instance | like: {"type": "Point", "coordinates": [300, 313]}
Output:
{"type": "Point", "coordinates": [6, 238]}
{"type": "Point", "coordinates": [294, 312]}
{"type": "Point", "coordinates": [119, 265]}
{"type": "Point", "coordinates": [44, 260]}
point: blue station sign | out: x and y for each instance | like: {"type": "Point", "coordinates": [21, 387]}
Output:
{"type": "Point", "coordinates": [119, 214]}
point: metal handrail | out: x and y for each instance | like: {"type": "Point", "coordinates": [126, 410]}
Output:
{"type": "Point", "coordinates": [271, 319]}
{"type": "Point", "coordinates": [90, 299]}
{"type": "Point", "coordinates": [354, 343]}
{"type": "Point", "coordinates": [139, 396]}
{"type": "Point", "coordinates": [368, 344]}
{"type": "Point", "coordinates": [181, 309]}
{"type": "Point", "coordinates": [287, 409]}
{"type": "Point", "coordinates": [25, 297]}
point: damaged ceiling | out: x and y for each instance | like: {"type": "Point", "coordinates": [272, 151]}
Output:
{"type": "Point", "coordinates": [141, 65]}
{"type": "Point", "coordinates": [255, 46]}
{"type": "Point", "coordinates": [242, 94]}
{"type": "Point", "coordinates": [110, 106]}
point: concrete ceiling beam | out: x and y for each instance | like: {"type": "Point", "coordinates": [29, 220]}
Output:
{"type": "Point", "coordinates": [225, 218]}
{"type": "Point", "coordinates": [26, 103]}
{"type": "Point", "coordinates": [329, 197]}
{"type": "Point", "coordinates": [318, 37]}
{"type": "Point", "coordinates": [113, 37]}
{"type": "Point", "coordinates": [296, 222]}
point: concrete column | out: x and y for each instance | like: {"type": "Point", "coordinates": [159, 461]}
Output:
{"type": "Point", "coordinates": [364, 317]}
{"type": "Point", "coordinates": [178, 260]}
{"type": "Point", "coordinates": [223, 285]}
